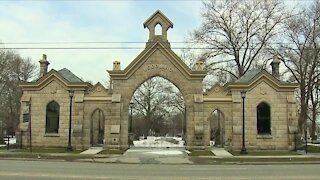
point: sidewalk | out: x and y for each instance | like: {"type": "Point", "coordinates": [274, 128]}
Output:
{"type": "Point", "coordinates": [169, 156]}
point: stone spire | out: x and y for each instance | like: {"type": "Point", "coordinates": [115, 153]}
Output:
{"type": "Point", "coordinates": [43, 65]}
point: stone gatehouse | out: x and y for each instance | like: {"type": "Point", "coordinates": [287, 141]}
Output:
{"type": "Point", "coordinates": [100, 115]}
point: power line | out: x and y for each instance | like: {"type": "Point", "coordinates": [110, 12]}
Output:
{"type": "Point", "coordinates": [106, 42]}
{"type": "Point", "coordinates": [134, 48]}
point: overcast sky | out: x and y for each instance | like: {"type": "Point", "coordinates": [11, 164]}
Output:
{"type": "Point", "coordinates": [90, 21]}
{"type": "Point", "coordinates": [85, 21]}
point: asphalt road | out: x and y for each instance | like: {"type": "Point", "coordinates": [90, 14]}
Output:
{"type": "Point", "coordinates": [17, 169]}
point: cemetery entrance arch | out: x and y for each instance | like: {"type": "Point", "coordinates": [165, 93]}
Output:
{"type": "Point", "coordinates": [157, 59]}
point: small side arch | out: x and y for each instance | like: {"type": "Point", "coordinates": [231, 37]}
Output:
{"type": "Point", "coordinates": [217, 119]}
{"type": "Point", "coordinates": [97, 127]}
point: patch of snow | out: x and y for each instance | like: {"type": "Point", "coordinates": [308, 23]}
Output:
{"type": "Point", "coordinates": [153, 141]}
{"type": "Point", "coordinates": [12, 140]}
{"type": "Point", "coordinates": [165, 152]}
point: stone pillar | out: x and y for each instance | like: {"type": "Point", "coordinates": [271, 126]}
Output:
{"type": "Point", "coordinates": [199, 124]}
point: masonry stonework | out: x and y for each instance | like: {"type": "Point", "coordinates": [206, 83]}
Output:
{"type": "Point", "coordinates": [157, 59]}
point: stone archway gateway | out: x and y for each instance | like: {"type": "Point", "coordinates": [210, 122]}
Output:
{"type": "Point", "coordinates": [157, 59]}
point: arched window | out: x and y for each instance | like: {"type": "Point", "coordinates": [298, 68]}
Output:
{"type": "Point", "coordinates": [158, 29]}
{"type": "Point", "coordinates": [263, 119]}
{"type": "Point", "coordinates": [52, 117]}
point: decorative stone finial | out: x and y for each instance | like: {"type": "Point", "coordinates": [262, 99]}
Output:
{"type": "Point", "coordinates": [199, 66]}
{"type": "Point", "coordinates": [43, 66]}
{"type": "Point", "coordinates": [275, 66]}
{"type": "Point", "coordinates": [116, 66]}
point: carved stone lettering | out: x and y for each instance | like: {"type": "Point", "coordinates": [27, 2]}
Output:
{"type": "Point", "coordinates": [157, 66]}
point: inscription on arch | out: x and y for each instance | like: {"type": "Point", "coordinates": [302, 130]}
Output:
{"type": "Point", "coordinates": [157, 66]}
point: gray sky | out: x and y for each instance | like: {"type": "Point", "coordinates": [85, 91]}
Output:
{"type": "Point", "coordinates": [91, 21]}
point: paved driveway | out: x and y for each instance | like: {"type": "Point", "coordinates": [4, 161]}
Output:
{"type": "Point", "coordinates": [155, 156]}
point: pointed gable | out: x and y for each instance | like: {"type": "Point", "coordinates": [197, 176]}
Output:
{"type": "Point", "coordinates": [146, 53]}
{"type": "Point", "coordinates": [64, 77]}
{"type": "Point", "coordinates": [254, 77]}
{"type": "Point", "coordinates": [217, 91]}
{"type": "Point", "coordinates": [158, 17]}
{"type": "Point", "coordinates": [98, 90]}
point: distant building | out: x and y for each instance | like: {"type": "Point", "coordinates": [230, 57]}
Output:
{"type": "Point", "coordinates": [100, 115]}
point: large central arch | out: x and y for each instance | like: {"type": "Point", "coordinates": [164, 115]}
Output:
{"type": "Point", "coordinates": [156, 102]}
{"type": "Point", "coordinates": [157, 59]}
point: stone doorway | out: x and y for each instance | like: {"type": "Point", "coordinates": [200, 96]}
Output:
{"type": "Point", "coordinates": [97, 128]}
{"type": "Point", "coordinates": [217, 128]}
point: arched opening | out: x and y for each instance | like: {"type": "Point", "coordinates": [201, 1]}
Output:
{"type": "Point", "coordinates": [52, 117]}
{"type": "Point", "coordinates": [97, 128]}
{"type": "Point", "coordinates": [263, 119]}
{"type": "Point", "coordinates": [158, 29]}
{"type": "Point", "coordinates": [157, 115]}
{"type": "Point", "coordinates": [217, 128]}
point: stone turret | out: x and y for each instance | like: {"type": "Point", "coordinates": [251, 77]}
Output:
{"type": "Point", "coordinates": [43, 66]}
{"type": "Point", "coordinates": [158, 18]}
{"type": "Point", "coordinates": [275, 67]}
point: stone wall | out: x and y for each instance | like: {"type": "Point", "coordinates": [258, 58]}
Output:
{"type": "Point", "coordinates": [54, 91]}
{"type": "Point", "coordinates": [278, 102]}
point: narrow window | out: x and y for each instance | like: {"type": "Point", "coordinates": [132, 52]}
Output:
{"type": "Point", "coordinates": [158, 29]}
{"type": "Point", "coordinates": [263, 119]}
{"type": "Point", "coordinates": [52, 117]}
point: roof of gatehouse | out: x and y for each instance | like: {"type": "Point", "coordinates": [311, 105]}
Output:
{"type": "Point", "coordinates": [68, 75]}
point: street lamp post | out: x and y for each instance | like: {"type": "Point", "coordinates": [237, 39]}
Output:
{"type": "Point", "coordinates": [243, 149]}
{"type": "Point", "coordinates": [131, 106]}
{"type": "Point", "coordinates": [130, 134]}
{"type": "Point", "coordinates": [71, 93]}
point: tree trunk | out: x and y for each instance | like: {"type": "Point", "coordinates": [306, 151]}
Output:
{"type": "Point", "coordinates": [1, 138]}
{"type": "Point", "coordinates": [303, 116]}
{"type": "Point", "coordinates": [313, 127]}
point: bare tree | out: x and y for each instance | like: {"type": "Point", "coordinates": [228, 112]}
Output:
{"type": "Point", "coordinates": [154, 100]}
{"type": "Point", "coordinates": [300, 54]}
{"type": "Point", "coordinates": [314, 108]}
{"type": "Point", "coordinates": [13, 69]}
{"type": "Point", "coordinates": [234, 33]}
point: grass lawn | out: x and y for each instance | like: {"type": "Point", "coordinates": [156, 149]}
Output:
{"type": "Point", "coordinates": [47, 150]}
{"type": "Point", "coordinates": [112, 151]}
{"type": "Point", "coordinates": [313, 149]}
{"type": "Point", "coordinates": [201, 153]}
{"type": "Point", "coordinates": [266, 153]}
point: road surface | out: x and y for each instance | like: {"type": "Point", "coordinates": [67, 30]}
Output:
{"type": "Point", "coordinates": [18, 169]}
